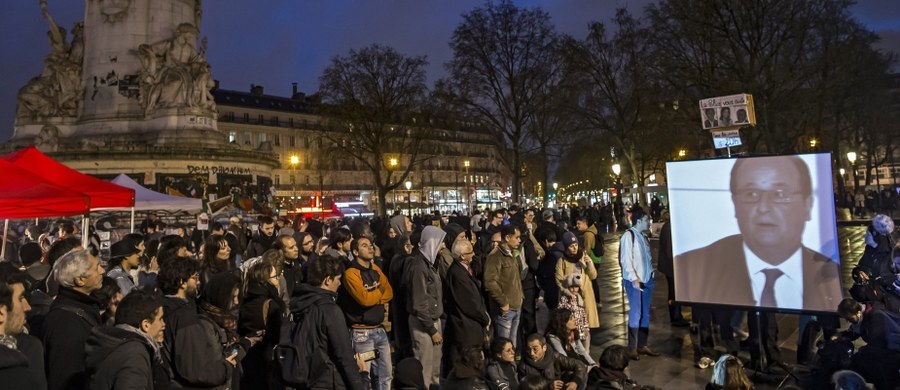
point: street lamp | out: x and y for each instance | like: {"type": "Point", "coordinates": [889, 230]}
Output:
{"type": "Point", "coordinates": [617, 169]}
{"type": "Point", "coordinates": [555, 193]}
{"type": "Point", "coordinates": [812, 143]}
{"type": "Point", "coordinates": [408, 185]}
{"type": "Point", "coordinates": [294, 161]}
{"type": "Point", "coordinates": [851, 156]}
{"type": "Point", "coordinates": [468, 195]}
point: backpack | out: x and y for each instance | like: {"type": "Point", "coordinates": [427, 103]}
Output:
{"type": "Point", "coordinates": [598, 245]}
{"type": "Point", "coordinates": [298, 357]}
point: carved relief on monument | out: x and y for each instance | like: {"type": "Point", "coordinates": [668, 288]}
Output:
{"type": "Point", "coordinates": [58, 91]}
{"type": "Point", "coordinates": [175, 74]}
{"type": "Point", "coordinates": [114, 10]}
{"type": "Point", "coordinates": [48, 139]}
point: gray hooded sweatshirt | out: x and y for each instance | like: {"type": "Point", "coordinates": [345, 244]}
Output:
{"type": "Point", "coordinates": [425, 301]}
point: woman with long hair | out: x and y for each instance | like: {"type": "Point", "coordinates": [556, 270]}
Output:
{"type": "Point", "coordinates": [218, 308]}
{"type": "Point", "coordinates": [564, 337]}
{"type": "Point", "coordinates": [260, 315]}
{"type": "Point", "coordinates": [729, 374]}
{"type": "Point", "coordinates": [215, 260]}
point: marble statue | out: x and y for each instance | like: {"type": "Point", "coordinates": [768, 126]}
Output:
{"type": "Point", "coordinates": [174, 73]}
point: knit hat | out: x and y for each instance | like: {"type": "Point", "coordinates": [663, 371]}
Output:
{"type": "Point", "coordinates": [569, 238]}
{"type": "Point", "coordinates": [883, 224]}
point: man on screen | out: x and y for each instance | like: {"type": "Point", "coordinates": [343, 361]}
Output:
{"type": "Point", "coordinates": [766, 265]}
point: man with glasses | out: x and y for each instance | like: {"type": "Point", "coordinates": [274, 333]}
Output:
{"type": "Point", "coordinates": [467, 318]}
{"type": "Point", "coordinates": [192, 350]}
{"type": "Point", "coordinates": [766, 265]}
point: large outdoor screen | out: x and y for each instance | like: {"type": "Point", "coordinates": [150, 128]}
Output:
{"type": "Point", "coordinates": [755, 232]}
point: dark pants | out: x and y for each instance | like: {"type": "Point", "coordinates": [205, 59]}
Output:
{"type": "Point", "coordinates": [708, 319]}
{"type": "Point", "coordinates": [674, 308]}
{"type": "Point", "coordinates": [528, 321]}
{"type": "Point", "coordinates": [765, 330]}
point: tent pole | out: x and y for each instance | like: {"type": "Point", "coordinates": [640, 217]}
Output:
{"type": "Point", "coordinates": [132, 219]}
{"type": "Point", "coordinates": [5, 232]}
{"type": "Point", "coordinates": [85, 233]}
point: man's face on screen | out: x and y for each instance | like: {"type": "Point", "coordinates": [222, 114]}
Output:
{"type": "Point", "coordinates": [770, 207]}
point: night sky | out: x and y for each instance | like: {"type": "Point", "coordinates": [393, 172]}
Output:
{"type": "Point", "coordinates": [276, 42]}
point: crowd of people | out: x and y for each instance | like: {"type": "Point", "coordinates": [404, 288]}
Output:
{"type": "Point", "coordinates": [386, 303]}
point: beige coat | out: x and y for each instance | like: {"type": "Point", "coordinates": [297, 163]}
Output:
{"type": "Point", "coordinates": [565, 267]}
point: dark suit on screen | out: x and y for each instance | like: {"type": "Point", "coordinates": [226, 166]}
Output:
{"type": "Point", "coordinates": [718, 274]}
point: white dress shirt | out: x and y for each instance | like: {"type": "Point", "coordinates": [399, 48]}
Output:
{"type": "Point", "coordinates": [788, 287]}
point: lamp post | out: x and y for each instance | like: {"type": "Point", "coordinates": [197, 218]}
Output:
{"type": "Point", "coordinates": [617, 169]}
{"type": "Point", "coordinates": [408, 185]}
{"type": "Point", "coordinates": [295, 159]}
{"type": "Point", "coordinates": [851, 156]}
{"type": "Point", "coordinates": [468, 196]}
{"type": "Point", "coordinates": [555, 194]}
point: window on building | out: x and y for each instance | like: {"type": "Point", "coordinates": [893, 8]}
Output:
{"type": "Point", "coordinates": [259, 119]}
{"type": "Point", "coordinates": [276, 139]}
{"type": "Point", "coordinates": [291, 122]}
{"type": "Point", "coordinates": [292, 141]}
{"type": "Point", "coordinates": [262, 137]}
{"type": "Point", "coordinates": [248, 138]}
{"type": "Point", "coordinates": [277, 180]}
{"type": "Point", "coordinates": [306, 142]}
{"type": "Point", "coordinates": [232, 136]}
{"type": "Point", "coordinates": [293, 178]}
{"type": "Point", "coordinates": [246, 117]}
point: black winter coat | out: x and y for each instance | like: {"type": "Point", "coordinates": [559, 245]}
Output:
{"type": "Point", "coordinates": [192, 349]}
{"type": "Point", "coordinates": [554, 367]}
{"type": "Point", "coordinates": [121, 359]}
{"type": "Point", "coordinates": [464, 378]}
{"type": "Point", "coordinates": [340, 371]}
{"type": "Point", "coordinates": [466, 314]}
{"type": "Point", "coordinates": [15, 372]}
{"type": "Point", "coordinates": [257, 368]}
{"type": "Point", "coordinates": [66, 327]}
{"type": "Point", "coordinates": [500, 375]}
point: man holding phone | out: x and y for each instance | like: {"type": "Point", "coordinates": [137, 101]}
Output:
{"type": "Point", "coordinates": [363, 296]}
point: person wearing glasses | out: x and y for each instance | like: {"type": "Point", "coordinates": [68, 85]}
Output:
{"type": "Point", "coordinates": [766, 265]}
{"type": "Point", "coordinates": [467, 317]}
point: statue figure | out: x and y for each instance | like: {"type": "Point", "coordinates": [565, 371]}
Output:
{"type": "Point", "coordinates": [48, 139]}
{"type": "Point", "coordinates": [58, 91]}
{"type": "Point", "coordinates": [114, 10]}
{"type": "Point", "coordinates": [175, 73]}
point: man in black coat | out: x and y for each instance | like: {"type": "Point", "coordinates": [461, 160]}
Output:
{"type": "Point", "coordinates": [467, 317]}
{"type": "Point", "coordinates": [21, 366]}
{"type": "Point", "coordinates": [128, 355]}
{"type": "Point", "coordinates": [71, 317]}
{"type": "Point", "coordinates": [565, 372]}
{"type": "Point", "coordinates": [194, 355]}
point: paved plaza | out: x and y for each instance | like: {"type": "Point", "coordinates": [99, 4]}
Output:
{"type": "Point", "coordinates": [675, 369]}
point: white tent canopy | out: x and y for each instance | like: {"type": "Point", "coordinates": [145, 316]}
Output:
{"type": "Point", "coordinates": [145, 199]}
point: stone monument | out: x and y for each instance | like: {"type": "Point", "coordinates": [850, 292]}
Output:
{"type": "Point", "coordinates": [129, 91]}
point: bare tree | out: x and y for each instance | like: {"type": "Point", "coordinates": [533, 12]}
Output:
{"type": "Point", "coordinates": [375, 102]}
{"type": "Point", "coordinates": [503, 57]}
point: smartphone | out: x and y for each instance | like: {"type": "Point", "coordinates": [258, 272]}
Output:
{"type": "Point", "coordinates": [233, 350]}
{"type": "Point", "coordinates": [369, 355]}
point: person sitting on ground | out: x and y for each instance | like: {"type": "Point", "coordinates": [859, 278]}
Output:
{"type": "Point", "coordinates": [408, 375]}
{"type": "Point", "coordinates": [467, 372]}
{"type": "Point", "coordinates": [537, 382]}
{"type": "Point", "coordinates": [565, 337]}
{"type": "Point", "coordinates": [611, 372]}
{"type": "Point", "coordinates": [500, 373]}
{"type": "Point", "coordinates": [729, 374]}
{"type": "Point", "coordinates": [848, 380]}
{"type": "Point", "coordinates": [565, 372]}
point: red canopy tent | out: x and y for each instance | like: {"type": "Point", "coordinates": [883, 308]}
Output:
{"type": "Point", "coordinates": [102, 194]}
{"type": "Point", "coordinates": [25, 195]}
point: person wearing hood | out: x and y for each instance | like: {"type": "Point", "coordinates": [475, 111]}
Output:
{"type": "Point", "coordinates": [468, 371]}
{"type": "Point", "coordinates": [342, 369]}
{"type": "Point", "coordinates": [503, 283]}
{"type": "Point", "coordinates": [576, 261]}
{"type": "Point", "coordinates": [564, 372]}
{"type": "Point", "coordinates": [127, 355]}
{"type": "Point", "coordinates": [445, 258]}
{"type": "Point", "coordinates": [425, 303]}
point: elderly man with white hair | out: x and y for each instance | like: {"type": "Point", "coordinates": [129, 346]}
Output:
{"type": "Point", "coordinates": [71, 317]}
{"type": "Point", "coordinates": [467, 317]}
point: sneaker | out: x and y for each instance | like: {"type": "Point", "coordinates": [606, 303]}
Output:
{"type": "Point", "coordinates": [705, 363]}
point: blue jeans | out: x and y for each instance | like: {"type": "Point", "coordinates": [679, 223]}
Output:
{"type": "Point", "coordinates": [507, 325]}
{"type": "Point", "coordinates": [638, 304]}
{"type": "Point", "coordinates": [380, 370]}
